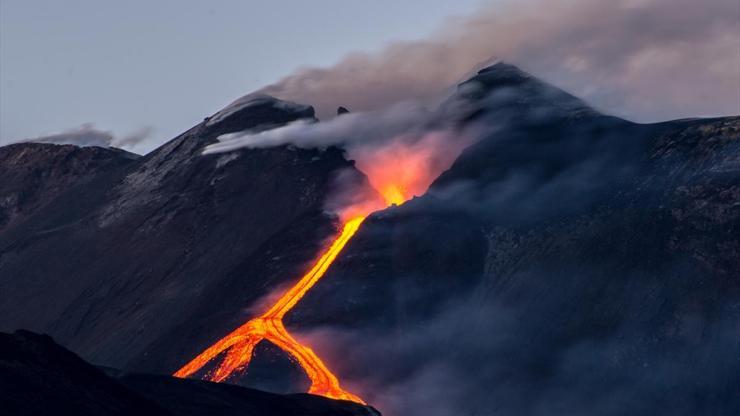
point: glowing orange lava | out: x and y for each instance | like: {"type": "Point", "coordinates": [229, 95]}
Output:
{"type": "Point", "coordinates": [240, 344]}
{"type": "Point", "coordinates": [405, 167]}
{"type": "Point", "coordinates": [396, 172]}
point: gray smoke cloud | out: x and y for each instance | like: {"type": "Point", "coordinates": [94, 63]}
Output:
{"type": "Point", "coordinates": [355, 128]}
{"type": "Point", "coordinates": [403, 147]}
{"type": "Point", "coordinates": [481, 358]}
{"type": "Point", "coordinates": [88, 135]}
{"type": "Point", "coordinates": [645, 60]}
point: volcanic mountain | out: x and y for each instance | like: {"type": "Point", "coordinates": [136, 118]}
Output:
{"type": "Point", "coordinates": [567, 262]}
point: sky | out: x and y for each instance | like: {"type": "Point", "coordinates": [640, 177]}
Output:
{"type": "Point", "coordinates": [137, 73]}
{"type": "Point", "coordinates": [162, 66]}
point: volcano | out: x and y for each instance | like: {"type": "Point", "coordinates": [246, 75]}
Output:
{"type": "Point", "coordinates": [567, 261]}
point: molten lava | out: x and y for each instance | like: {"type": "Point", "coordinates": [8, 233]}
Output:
{"type": "Point", "coordinates": [269, 326]}
{"type": "Point", "coordinates": [397, 172]}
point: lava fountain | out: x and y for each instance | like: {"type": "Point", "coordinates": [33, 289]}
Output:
{"type": "Point", "coordinates": [397, 171]}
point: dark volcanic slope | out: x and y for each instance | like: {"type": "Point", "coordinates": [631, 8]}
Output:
{"type": "Point", "coordinates": [38, 377]}
{"type": "Point", "coordinates": [160, 257]}
{"type": "Point", "coordinates": [199, 398]}
{"type": "Point", "coordinates": [567, 263]}
{"type": "Point", "coordinates": [34, 174]}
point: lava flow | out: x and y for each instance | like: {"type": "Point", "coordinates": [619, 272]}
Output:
{"type": "Point", "coordinates": [395, 172]}
{"type": "Point", "coordinates": [269, 326]}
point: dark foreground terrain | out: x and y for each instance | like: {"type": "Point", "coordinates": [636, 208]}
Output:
{"type": "Point", "coordinates": [38, 377]}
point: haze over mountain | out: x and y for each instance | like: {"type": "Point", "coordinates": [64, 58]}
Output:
{"type": "Point", "coordinates": [567, 262]}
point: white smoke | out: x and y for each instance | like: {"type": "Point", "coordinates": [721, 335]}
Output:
{"type": "Point", "coordinates": [363, 128]}
{"type": "Point", "coordinates": [643, 59]}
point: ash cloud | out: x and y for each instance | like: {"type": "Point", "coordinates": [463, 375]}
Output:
{"type": "Point", "coordinates": [88, 135]}
{"type": "Point", "coordinates": [643, 59]}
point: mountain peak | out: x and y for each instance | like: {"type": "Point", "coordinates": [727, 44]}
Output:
{"type": "Point", "coordinates": [505, 86]}
{"type": "Point", "coordinates": [256, 109]}
{"type": "Point", "coordinates": [505, 70]}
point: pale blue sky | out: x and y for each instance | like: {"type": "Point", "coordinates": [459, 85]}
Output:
{"type": "Point", "coordinates": [127, 65]}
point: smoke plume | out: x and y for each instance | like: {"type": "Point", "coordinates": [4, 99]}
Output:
{"type": "Point", "coordinates": [401, 150]}
{"type": "Point", "coordinates": [616, 54]}
{"type": "Point", "coordinates": [88, 135]}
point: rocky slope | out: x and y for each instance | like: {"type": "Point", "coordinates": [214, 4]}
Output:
{"type": "Point", "coordinates": [35, 174]}
{"type": "Point", "coordinates": [125, 264]}
{"type": "Point", "coordinates": [567, 263]}
{"type": "Point", "coordinates": [38, 377]}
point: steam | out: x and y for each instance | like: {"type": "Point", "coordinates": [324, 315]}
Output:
{"type": "Point", "coordinates": [401, 150]}
{"type": "Point", "coordinates": [353, 129]}
{"type": "Point", "coordinates": [616, 54]}
{"type": "Point", "coordinates": [88, 135]}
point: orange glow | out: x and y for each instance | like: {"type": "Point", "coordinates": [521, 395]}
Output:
{"type": "Point", "coordinates": [239, 345]}
{"type": "Point", "coordinates": [397, 172]}
{"type": "Point", "coordinates": [392, 195]}
{"type": "Point", "coordinates": [405, 168]}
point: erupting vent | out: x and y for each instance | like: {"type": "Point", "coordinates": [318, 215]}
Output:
{"type": "Point", "coordinates": [396, 171]}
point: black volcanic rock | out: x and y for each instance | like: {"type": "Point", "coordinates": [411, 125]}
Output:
{"type": "Point", "coordinates": [342, 110]}
{"type": "Point", "coordinates": [38, 377]}
{"type": "Point", "coordinates": [35, 174]}
{"type": "Point", "coordinates": [198, 398]}
{"type": "Point", "coordinates": [506, 93]}
{"type": "Point", "coordinates": [142, 266]}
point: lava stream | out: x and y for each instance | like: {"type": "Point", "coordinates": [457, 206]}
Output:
{"type": "Point", "coordinates": [396, 172]}
{"type": "Point", "coordinates": [239, 345]}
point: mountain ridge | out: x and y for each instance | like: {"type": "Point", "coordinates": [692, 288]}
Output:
{"type": "Point", "coordinates": [34, 366]}
{"type": "Point", "coordinates": [560, 226]}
